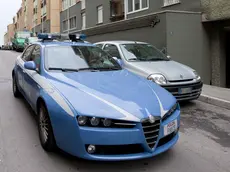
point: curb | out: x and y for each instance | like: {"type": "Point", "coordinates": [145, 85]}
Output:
{"type": "Point", "coordinates": [215, 101]}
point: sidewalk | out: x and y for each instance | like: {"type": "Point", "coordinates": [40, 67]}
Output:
{"type": "Point", "coordinates": [216, 96]}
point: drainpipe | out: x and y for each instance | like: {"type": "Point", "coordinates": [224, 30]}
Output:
{"type": "Point", "coordinates": [68, 14]}
{"type": "Point", "coordinates": [126, 8]}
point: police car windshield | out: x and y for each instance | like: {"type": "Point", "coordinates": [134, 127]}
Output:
{"type": "Point", "coordinates": [142, 52]}
{"type": "Point", "coordinates": [78, 58]}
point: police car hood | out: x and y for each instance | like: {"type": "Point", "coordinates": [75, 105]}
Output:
{"type": "Point", "coordinates": [112, 94]}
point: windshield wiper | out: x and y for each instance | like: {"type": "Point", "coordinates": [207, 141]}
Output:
{"type": "Point", "coordinates": [63, 69]}
{"type": "Point", "coordinates": [109, 68]}
{"type": "Point", "coordinates": [99, 68]}
{"type": "Point", "coordinates": [89, 68]}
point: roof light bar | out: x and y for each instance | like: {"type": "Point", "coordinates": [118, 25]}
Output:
{"type": "Point", "coordinates": [56, 36]}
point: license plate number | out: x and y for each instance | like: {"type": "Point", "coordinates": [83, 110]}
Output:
{"type": "Point", "coordinates": [170, 127]}
{"type": "Point", "coordinates": [185, 90]}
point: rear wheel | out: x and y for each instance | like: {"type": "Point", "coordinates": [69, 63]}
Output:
{"type": "Point", "coordinates": [16, 92]}
{"type": "Point", "coordinates": [45, 129]}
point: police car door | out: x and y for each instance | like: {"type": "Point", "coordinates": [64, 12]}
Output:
{"type": "Point", "coordinates": [20, 67]}
{"type": "Point", "coordinates": [31, 85]}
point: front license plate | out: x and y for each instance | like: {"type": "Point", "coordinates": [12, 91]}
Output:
{"type": "Point", "coordinates": [185, 90]}
{"type": "Point", "coordinates": [170, 127]}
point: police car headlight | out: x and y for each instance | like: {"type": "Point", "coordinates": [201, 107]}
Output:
{"type": "Point", "coordinates": [94, 121]}
{"type": "Point", "coordinates": [82, 120]}
{"type": "Point", "coordinates": [158, 79]}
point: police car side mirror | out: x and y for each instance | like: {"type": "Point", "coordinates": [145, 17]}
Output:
{"type": "Point", "coordinates": [30, 65]}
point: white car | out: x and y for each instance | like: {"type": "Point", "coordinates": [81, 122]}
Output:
{"type": "Point", "coordinates": [149, 62]}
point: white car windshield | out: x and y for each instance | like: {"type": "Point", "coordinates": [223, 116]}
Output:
{"type": "Point", "coordinates": [78, 58]}
{"type": "Point", "coordinates": [142, 52]}
{"type": "Point", "coordinates": [23, 35]}
{"type": "Point", "coordinates": [33, 39]}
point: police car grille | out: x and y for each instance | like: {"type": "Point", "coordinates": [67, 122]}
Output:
{"type": "Point", "coordinates": [151, 132]}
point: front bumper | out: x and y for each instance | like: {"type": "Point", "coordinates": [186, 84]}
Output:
{"type": "Point", "coordinates": [196, 89]}
{"type": "Point", "coordinates": [119, 139]}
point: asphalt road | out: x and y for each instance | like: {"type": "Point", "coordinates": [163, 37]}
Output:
{"type": "Point", "coordinates": [204, 144]}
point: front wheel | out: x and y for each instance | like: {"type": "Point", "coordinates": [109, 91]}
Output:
{"type": "Point", "coordinates": [45, 130]}
{"type": "Point", "coordinates": [16, 92]}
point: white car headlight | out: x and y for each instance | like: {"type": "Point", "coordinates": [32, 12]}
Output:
{"type": "Point", "coordinates": [158, 79]}
{"type": "Point", "coordinates": [196, 75]}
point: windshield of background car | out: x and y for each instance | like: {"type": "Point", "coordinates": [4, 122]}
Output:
{"type": "Point", "coordinates": [78, 57]}
{"type": "Point", "coordinates": [23, 35]}
{"type": "Point", "coordinates": [33, 39]}
{"type": "Point", "coordinates": [142, 52]}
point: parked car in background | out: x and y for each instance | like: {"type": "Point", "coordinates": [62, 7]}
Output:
{"type": "Point", "coordinates": [19, 40]}
{"type": "Point", "coordinates": [30, 40]}
{"type": "Point", "coordinates": [89, 106]}
{"type": "Point", "coordinates": [147, 61]}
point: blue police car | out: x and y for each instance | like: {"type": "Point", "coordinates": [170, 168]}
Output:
{"type": "Point", "coordinates": [90, 107]}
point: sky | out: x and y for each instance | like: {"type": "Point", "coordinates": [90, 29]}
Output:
{"type": "Point", "coordinates": [8, 9]}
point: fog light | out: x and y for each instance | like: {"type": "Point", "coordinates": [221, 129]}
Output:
{"type": "Point", "coordinates": [95, 121]}
{"type": "Point", "coordinates": [91, 149]}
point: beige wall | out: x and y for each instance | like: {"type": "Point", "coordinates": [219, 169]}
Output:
{"type": "Point", "coordinates": [10, 32]}
{"type": "Point", "coordinates": [29, 14]}
{"type": "Point", "coordinates": [54, 14]}
{"type": "Point", "coordinates": [215, 9]}
{"type": "Point", "coordinates": [20, 19]}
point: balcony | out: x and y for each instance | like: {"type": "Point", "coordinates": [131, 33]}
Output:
{"type": "Point", "coordinates": [43, 11]}
{"type": "Point", "coordinates": [35, 3]}
{"type": "Point", "coordinates": [215, 10]}
{"type": "Point", "coordinates": [116, 10]}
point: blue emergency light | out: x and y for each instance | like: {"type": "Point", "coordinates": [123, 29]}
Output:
{"type": "Point", "coordinates": [56, 36]}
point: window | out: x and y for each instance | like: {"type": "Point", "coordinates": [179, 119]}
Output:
{"type": "Point", "coordinates": [26, 55]}
{"type": "Point", "coordinates": [116, 10]}
{"type": "Point", "coordinates": [100, 14]}
{"type": "Point", "coordinates": [67, 3]}
{"type": "Point", "coordinates": [36, 57]}
{"type": "Point", "coordinates": [65, 25]}
{"type": "Point", "coordinates": [82, 4]}
{"type": "Point", "coordinates": [64, 4]}
{"type": "Point", "coordinates": [100, 45]}
{"type": "Point", "coordinates": [72, 2]}
{"type": "Point", "coordinates": [170, 2]}
{"type": "Point", "coordinates": [83, 20]}
{"type": "Point", "coordinates": [73, 22]}
{"type": "Point", "coordinates": [142, 52]}
{"type": "Point", "coordinates": [112, 50]}
{"type": "Point", "coordinates": [136, 5]}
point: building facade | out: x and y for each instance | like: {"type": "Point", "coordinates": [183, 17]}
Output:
{"type": "Point", "coordinates": [173, 26]}
{"type": "Point", "coordinates": [10, 32]}
{"type": "Point", "coordinates": [27, 6]}
{"type": "Point", "coordinates": [216, 20]}
{"type": "Point", "coordinates": [46, 16]}
{"type": "Point", "coordinates": [20, 19]}
{"type": "Point", "coordinates": [5, 39]}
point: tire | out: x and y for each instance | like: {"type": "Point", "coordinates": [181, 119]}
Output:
{"type": "Point", "coordinates": [45, 129]}
{"type": "Point", "coordinates": [16, 92]}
